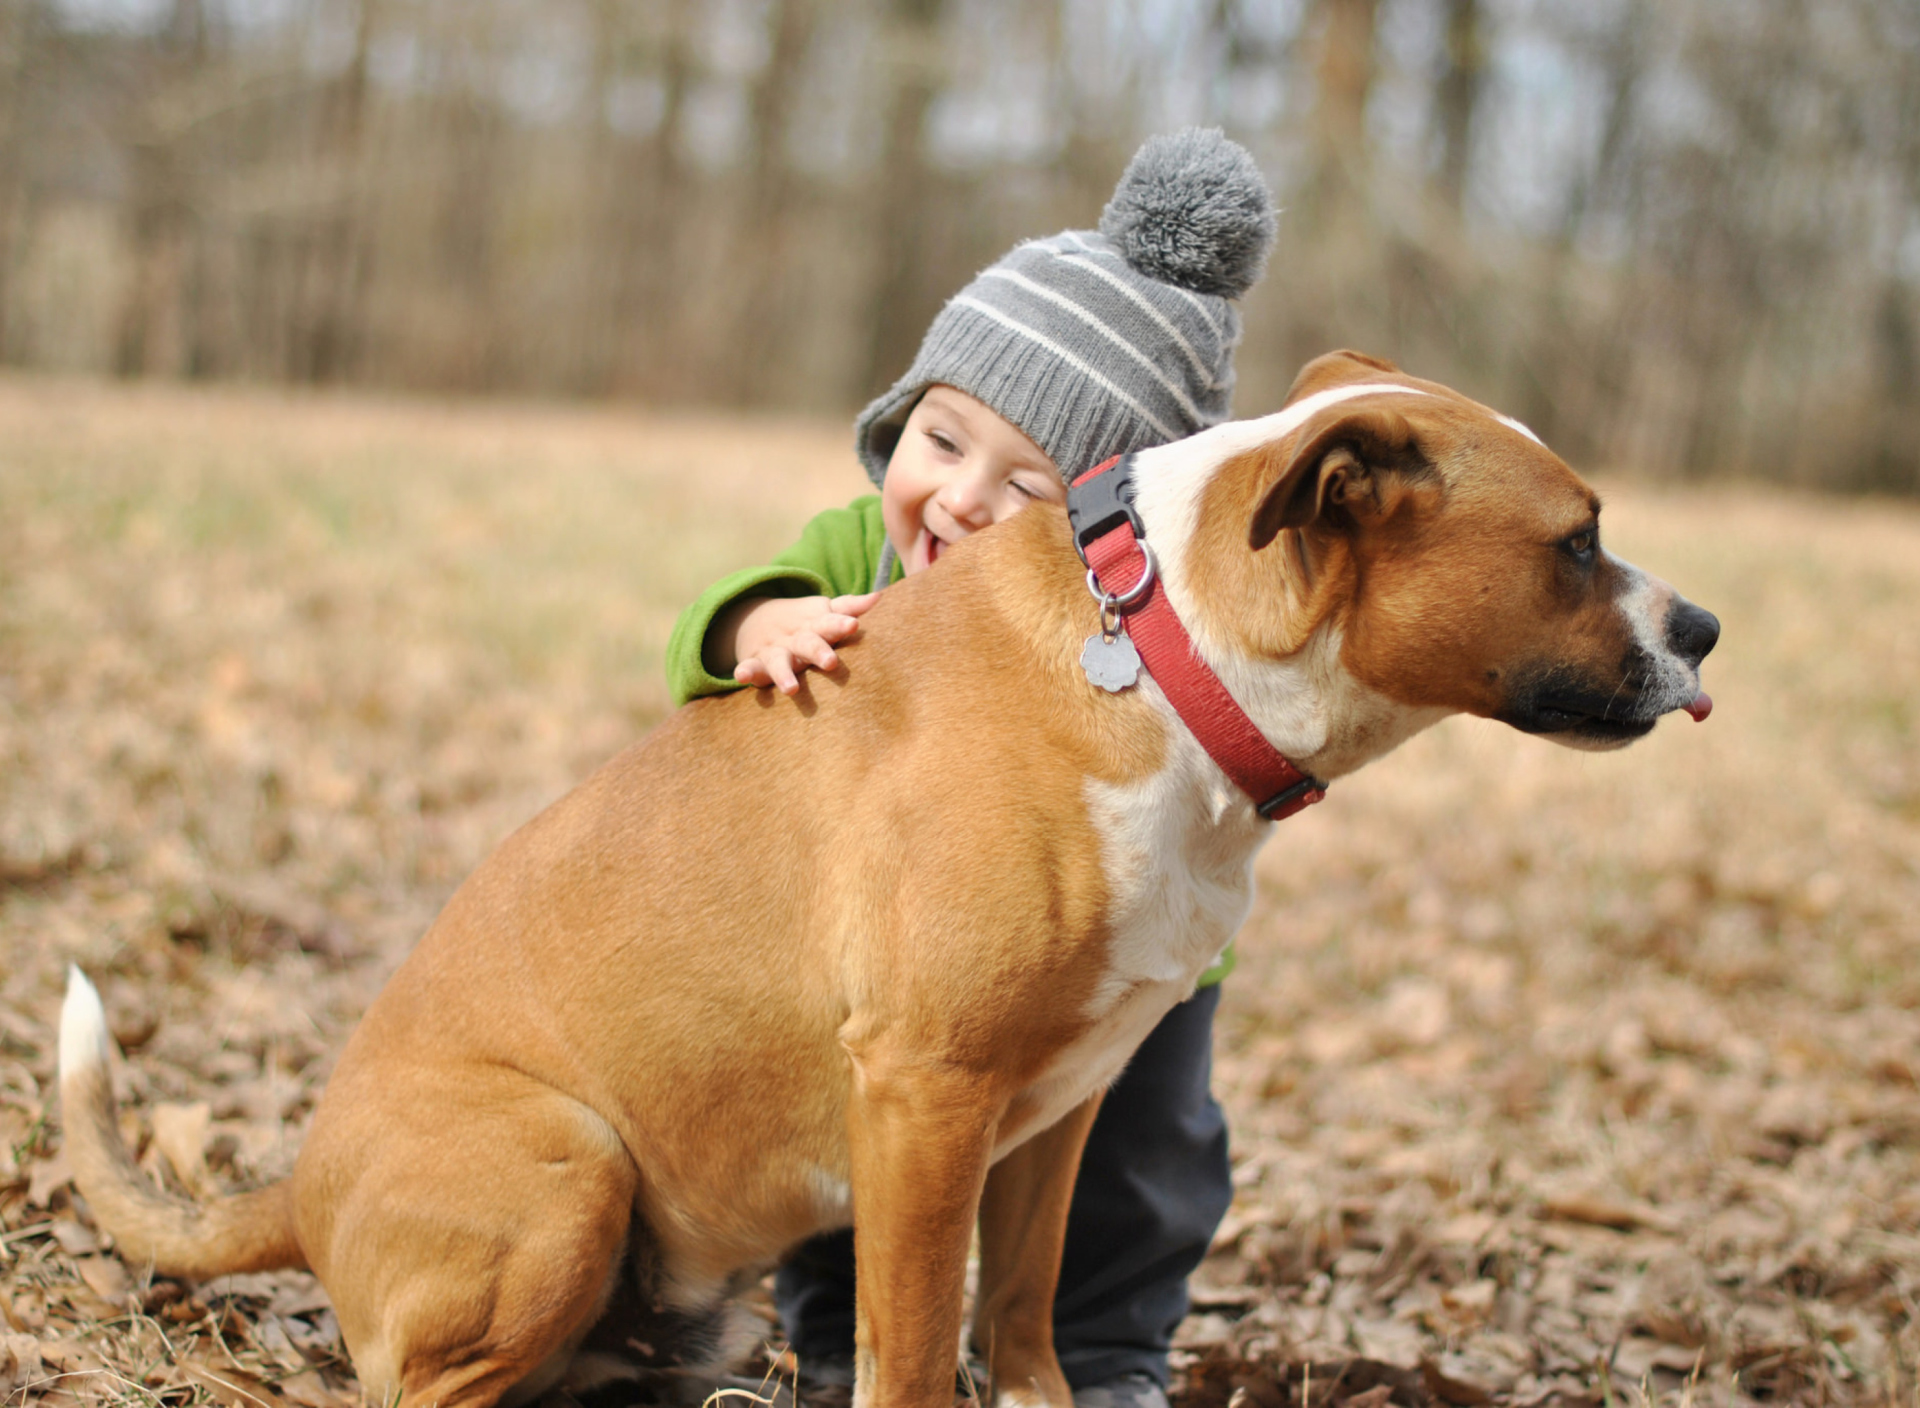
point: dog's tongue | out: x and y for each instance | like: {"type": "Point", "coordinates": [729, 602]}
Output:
{"type": "Point", "coordinates": [1702, 706]}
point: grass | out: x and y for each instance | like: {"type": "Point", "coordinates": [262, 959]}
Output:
{"type": "Point", "coordinates": [1570, 1076]}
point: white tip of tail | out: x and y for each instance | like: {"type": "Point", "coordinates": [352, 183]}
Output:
{"type": "Point", "coordinates": [84, 1038]}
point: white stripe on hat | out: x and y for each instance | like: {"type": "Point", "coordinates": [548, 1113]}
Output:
{"type": "Point", "coordinates": [1040, 339]}
{"type": "Point", "coordinates": [1165, 324]}
{"type": "Point", "coordinates": [1087, 316]}
{"type": "Point", "coordinates": [1200, 304]}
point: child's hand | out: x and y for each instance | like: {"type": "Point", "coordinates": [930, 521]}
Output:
{"type": "Point", "coordinates": [773, 639]}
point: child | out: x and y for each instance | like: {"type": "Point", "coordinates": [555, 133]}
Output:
{"type": "Point", "coordinates": [1066, 352]}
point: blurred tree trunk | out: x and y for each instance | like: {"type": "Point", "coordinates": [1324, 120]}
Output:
{"type": "Point", "coordinates": [657, 230]}
{"type": "Point", "coordinates": [19, 25]}
{"type": "Point", "coordinates": [764, 240]}
{"type": "Point", "coordinates": [901, 199]}
{"type": "Point", "coordinates": [1623, 58]}
{"type": "Point", "coordinates": [329, 342]}
{"type": "Point", "coordinates": [1581, 365]}
{"type": "Point", "coordinates": [1345, 74]}
{"type": "Point", "coordinates": [1340, 298]}
{"type": "Point", "coordinates": [1459, 96]}
{"type": "Point", "coordinates": [597, 266]}
{"type": "Point", "coordinates": [152, 241]}
{"type": "Point", "coordinates": [1896, 461]}
{"type": "Point", "coordinates": [471, 144]}
{"type": "Point", "coordinates": [628, 299]}
{"type": "Point", "coordinates": [469, 233]}
{"type": "Point", "coordinates": [161, 327]}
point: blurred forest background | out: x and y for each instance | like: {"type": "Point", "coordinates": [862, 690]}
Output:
{"type": "Point", "coordinates": [1678, 236]}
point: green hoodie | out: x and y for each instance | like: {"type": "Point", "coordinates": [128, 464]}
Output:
{"type": "Point", "coordinates": [838, 555]}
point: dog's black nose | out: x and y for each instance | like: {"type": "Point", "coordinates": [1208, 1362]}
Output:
{"type": "Point", "coordinates": [1691, 632]}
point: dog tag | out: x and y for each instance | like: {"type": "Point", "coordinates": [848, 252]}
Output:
{"type": "Point", "coordinates": [1110, 661]}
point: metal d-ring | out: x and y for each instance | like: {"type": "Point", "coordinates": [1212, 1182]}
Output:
{"type": "Point", "coordinates": [1116, 601]}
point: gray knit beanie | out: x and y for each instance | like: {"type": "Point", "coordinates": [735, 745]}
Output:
{"type": "Point", "coordinates": [1099, 342]}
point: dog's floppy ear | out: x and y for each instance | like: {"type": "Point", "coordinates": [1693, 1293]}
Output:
{"type": "Point", "coordinates": [1337, 369]}
{"type": "Point", "coordinates": [1348, 468]}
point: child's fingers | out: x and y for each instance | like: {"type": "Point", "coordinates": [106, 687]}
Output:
{"type": "Point", "coordinates": [853, 605]}
{"type": "Point", "coordinates": [752, 672]}
{"type": "Point", "coordinates": [834, 629]}
{"type": "Point", "coordinates": [779, 664]}
{"type": "Point", "coordinates": [813, 647]}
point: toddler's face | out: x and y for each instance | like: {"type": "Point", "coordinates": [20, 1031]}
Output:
{"type": "Point", "coordinates": [958, 468]}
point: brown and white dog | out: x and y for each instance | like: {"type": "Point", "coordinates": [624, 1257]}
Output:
{"type": "Point", "coordinates": [869, 955]}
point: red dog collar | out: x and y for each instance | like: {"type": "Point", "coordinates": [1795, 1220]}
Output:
{"type": "Point", "coordinates": [1111, 540]}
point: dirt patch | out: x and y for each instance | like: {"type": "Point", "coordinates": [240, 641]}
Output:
{"type": "Point", "coordinates": [1553, 1077]}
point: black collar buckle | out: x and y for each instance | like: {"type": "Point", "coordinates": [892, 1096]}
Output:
{"type": "Point", "coordinates": [1282, 804]}
{"type": "Point", "coordinates": [1101, 502]}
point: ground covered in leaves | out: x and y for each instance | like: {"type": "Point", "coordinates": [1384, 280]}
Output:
{"type": "Point", "coordinates": [1554, 1077]}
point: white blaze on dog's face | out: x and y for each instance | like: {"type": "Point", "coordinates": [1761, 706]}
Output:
{"type": "Point", "coordinates": [1457, 557]}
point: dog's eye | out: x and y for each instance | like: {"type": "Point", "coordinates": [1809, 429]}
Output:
{"type": "Point", "coordinates": [1581, 543]}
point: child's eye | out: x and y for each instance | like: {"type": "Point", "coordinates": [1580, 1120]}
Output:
{"type": "Point", "coordinates": [942, 442]}
{"type": "Point", "coordinates": [1025, 491]}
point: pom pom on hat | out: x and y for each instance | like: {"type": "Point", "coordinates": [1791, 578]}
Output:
{"type": "Point", "coordinates": [1192, 210]}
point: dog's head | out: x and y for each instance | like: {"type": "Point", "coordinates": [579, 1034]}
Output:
{"type": "Point", "coordinates": [1459, 558]}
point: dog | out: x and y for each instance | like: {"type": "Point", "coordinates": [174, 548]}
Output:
{"type": "Point", "coordinates": [773, 970]}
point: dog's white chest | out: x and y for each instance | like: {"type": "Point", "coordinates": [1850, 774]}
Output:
{"type": "Point", "coordinates": [1177, 850]}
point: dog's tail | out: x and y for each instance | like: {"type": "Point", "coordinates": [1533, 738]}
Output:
{"type": "Point", "coordinates": [177, 1237]}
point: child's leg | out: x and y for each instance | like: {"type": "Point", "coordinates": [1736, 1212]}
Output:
{"type": "Point", "coordinates": [814, 1292]}
{"type": "Point", "coordinates": [1154, 1184]}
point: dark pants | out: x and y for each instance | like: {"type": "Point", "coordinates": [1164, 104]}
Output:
{"type": "Point", "coordinates": [1154, 1184]}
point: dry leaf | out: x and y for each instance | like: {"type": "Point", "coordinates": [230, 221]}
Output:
{"type": "Point", "coordinates": [1605, 1212]}
{"type": "Point", "coordinates": [1450, 1388]}
{"type": "Point", "coordinates": [1637, 1355]}
{"type": "Point", "coordinates": [1468, 1229]}
{"type": "Point", "coordinates": [233, 1387]}
{"type": "Point", "coordinates": [1204, 1296]}
{"type": "Point", "coordinates": [1200, 1331]}
{"type": "Point", "coordinates": [1464, 1308]}
{"type": "Point", "coordinates": [317, 1339]}
{"type": "Point", "coordinates": [180, 1134]}
{"type": "Point", "coordinates": [47, 1177]}
{"type": "Point", "coordinates": [70, 1356]}
{"type": "Point", "coordinates": [309, 1390]}
{"type": "Point", "coordinates": [270, 1334]}
{"type": "Point", "coordinates": [133, 1029]}
{"type": "Point", "coordinates": [106, 1277]}
{"type": "Point", "coordinates": [75, 1238]}
{"type": "Point", "coordinates": [1379, 1396]}
{"type": "Point", "coordinates": [302, 1295]}
{"type": "Point", "coordinates": [21, 1353]}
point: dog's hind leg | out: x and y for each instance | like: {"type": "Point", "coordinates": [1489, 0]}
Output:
{"type": "Point", "coordinates": [470, 1247]}
{"type": "Point", "coordinates": [1023, 1226]}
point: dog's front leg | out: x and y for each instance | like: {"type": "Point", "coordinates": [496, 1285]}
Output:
{"type": "Point", "coordinates": [1023, 1224]}
{"type": "Point", "coordinates": [919, 1135]}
